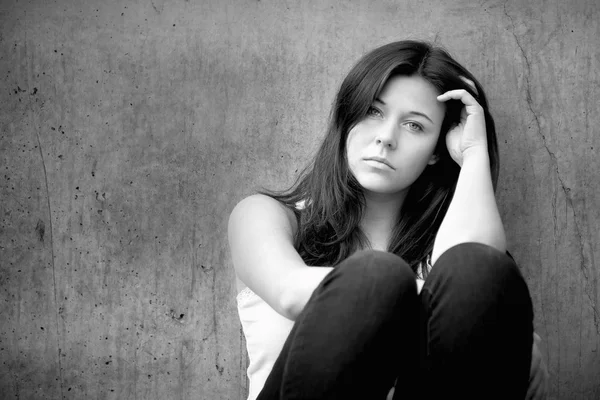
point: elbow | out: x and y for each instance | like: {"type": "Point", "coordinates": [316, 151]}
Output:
{"type": "Point", "coordinates": [289, 305]}
{"type": "Point", "coordinates": [298, 289]}
{"type": "Point", "coordinates": [290, 297]}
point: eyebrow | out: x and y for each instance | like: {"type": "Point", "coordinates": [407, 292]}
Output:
{"type": "Point", "coordinates": [410, 112]}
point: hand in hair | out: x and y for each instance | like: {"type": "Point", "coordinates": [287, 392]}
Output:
{"type": "Point", "coordinates": [469, 135]}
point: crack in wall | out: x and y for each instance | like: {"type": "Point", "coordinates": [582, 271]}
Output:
{"type": "Point", "coordinates": [554, 162]}
{"type": "Point", "coordinates": [37, 134]}
{"type": "Point", "coordinates": [214, 315]}
{"type": "Point", "coordinates": [30, 60]}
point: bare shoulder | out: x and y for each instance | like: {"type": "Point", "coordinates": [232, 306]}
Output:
{"type": "Point", "coordinates": [261, 234]}
{"type": "Point", "coordinates": [261, 241]}
{"type": "Point", "coordinates": [263, 210]}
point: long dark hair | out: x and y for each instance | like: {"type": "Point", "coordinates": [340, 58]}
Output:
{"type": "Point", "coordinates": [328, 225]}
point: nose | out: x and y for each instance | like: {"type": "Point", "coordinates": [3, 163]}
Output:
{"type": "Point", "coordinates": [386, 136]}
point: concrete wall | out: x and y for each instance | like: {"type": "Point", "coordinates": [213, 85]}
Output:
{"type": "Point", "coordinates": [129, 129]}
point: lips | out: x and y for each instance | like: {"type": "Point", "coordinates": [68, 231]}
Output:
{"type": "Point", "coordinates": [380, 160]}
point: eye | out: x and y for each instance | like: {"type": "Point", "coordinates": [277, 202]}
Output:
{"type": "Point", "coordinates": [413, 126]}
{"type": "Point", "coordinates": [374, 112]}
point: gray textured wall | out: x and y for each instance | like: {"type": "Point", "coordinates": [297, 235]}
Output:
{"type": "Point", "coordinates": [129, 129]}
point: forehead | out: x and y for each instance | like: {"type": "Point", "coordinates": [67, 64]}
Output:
{"type": "Point", "coordinates": [412, 93]}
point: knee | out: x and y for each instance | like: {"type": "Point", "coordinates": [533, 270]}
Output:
{"type": "Point", "coordinates": [472, 290]}
{"type": "Point", "coordinates": [476, 266]}
{"type": "Point", "coordinates": [378, 272]}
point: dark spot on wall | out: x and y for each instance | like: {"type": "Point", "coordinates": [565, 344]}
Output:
{"type": "Point", "coordinates": [175, 317]}
{"type": "Point", "coordinates": [40, 228]}
{"type": "Point", "coordinates": [100, 197]}
{"type": "Point", "coordinates": [206, 268]}
{"type": "Point", "coordinates": [34, 91]}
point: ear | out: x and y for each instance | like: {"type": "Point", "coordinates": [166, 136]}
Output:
{"type": "Point", "coordinates": [434, 158]}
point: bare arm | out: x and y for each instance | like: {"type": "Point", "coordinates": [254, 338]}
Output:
{"type": "Point", "coordinates": [473, 214]}
{"type": "Point", "coordinates": [261, 239]}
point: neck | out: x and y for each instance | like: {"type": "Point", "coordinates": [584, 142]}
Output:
{"type": "Point", "coordinates": [380, 216]}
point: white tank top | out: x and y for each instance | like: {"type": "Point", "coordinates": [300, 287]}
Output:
{"type": "Point", "coordinates": [265, 331]}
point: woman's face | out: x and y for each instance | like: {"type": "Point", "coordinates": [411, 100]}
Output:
{"type": "Point", "coordinates": [392, 145]}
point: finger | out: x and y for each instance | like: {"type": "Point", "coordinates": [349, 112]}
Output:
{"type": "Point", "coordinates": [459, 94]}
{"type": "Point", "coordinates": [463, 114]}
{"type": "Point", "coordinates": [470, 83]}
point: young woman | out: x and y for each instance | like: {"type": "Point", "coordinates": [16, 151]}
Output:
{"type": "Point", "coordinates": [415, 295]}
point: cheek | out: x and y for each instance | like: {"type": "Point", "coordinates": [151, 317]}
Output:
{"type": "Point", "coordinates": [352, 147]}
{"type": "Point", "coordinates": [419, 156]}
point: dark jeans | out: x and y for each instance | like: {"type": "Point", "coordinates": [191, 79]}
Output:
{"type": "Point", "coordinates": [468, 335]}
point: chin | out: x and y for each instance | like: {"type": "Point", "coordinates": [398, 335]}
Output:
{"type": "Point", "coordinates": [382, 187]}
